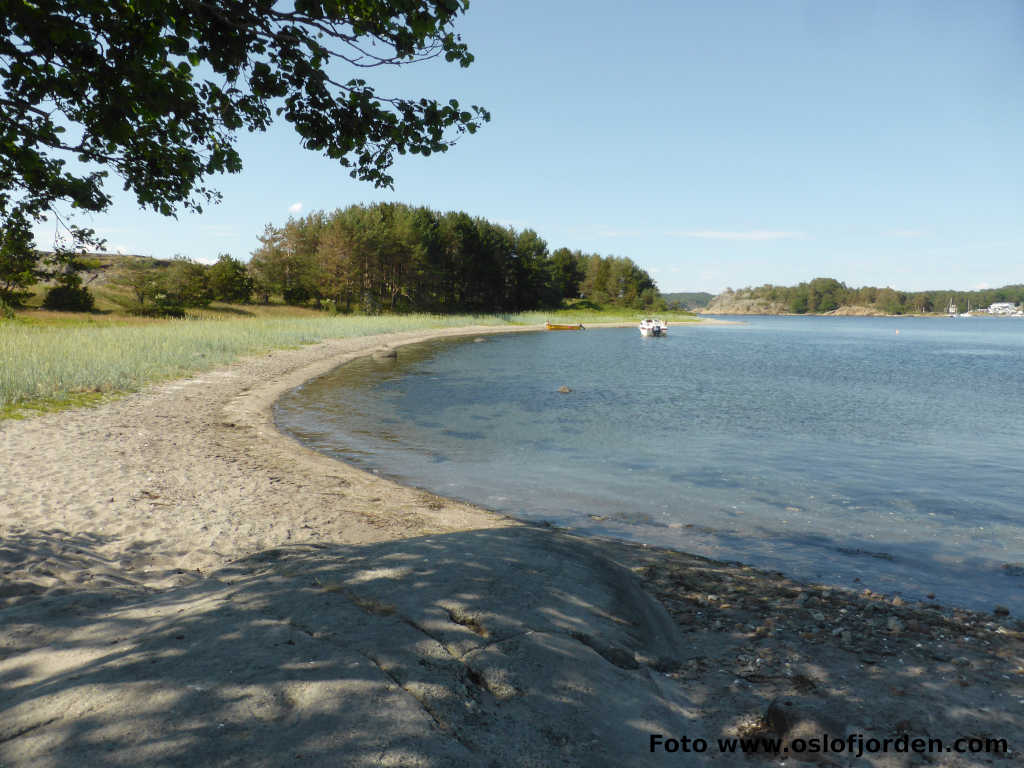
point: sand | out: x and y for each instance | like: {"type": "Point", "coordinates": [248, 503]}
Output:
{"type": "Point", "coordinates": [122, 524]}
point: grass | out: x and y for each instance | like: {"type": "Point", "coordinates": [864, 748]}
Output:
{"type": "Point", "coordinates": [54, 360]}
{"type": "Point", "coordinates": [25, 408]}
{"type": "Point", "coordinates": [48, 363]}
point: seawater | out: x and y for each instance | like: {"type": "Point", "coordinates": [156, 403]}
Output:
{"type": "Point", "coordinates": [864, 452]}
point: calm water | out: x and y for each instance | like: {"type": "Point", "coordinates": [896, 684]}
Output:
{"type": "Point", "coordinates": [890, 450]}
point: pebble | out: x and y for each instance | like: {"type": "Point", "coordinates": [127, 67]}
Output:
{"type": "Point", "coordinates": [895, 625]}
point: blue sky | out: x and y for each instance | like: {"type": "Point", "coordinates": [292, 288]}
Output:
{"type": "Point", "coordinates": [716, 144]}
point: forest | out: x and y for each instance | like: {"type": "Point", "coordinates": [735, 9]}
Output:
{"type": "Point", "coordinates": [385, 257]}
{"type": "Point", "coordinates": [825, 294]}
{"type": "Point", "coordinates": [396, 257]}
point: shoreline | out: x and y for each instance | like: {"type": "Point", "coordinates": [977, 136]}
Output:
{"type": "Point", "coordinates": [156, 491]}
{"type": "Point", "coordinates": [849, 313]}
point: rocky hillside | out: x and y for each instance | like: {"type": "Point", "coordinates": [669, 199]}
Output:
{"type": "Point", "coordinates": [858, 312]}
{"type": "Point", "coordinates": [738, 304]}
{"type": "Point", "coordinates": [731, 303]}
{"type": "Point", "coordinates": [104, 275]}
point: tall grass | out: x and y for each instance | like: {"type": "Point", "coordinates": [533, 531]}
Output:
{"type": "Point", "coordinates": [57, 362]}
{"type": "Point", "coordinates": [68, 359]}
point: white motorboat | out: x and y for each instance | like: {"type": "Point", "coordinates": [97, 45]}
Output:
{"type": "Point", "coordinates": [650, 327]}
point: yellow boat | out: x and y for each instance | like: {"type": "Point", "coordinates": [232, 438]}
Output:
{"type": "Point", "coordinates": [557, 327]}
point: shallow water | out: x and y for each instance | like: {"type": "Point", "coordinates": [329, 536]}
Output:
{"type": "Point", "coordinates": [831, 449]}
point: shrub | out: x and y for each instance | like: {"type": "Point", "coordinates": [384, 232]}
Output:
{"type": "Point", "coordinates": [69, 298]}
{"type": "Point", "coordinates": [186, 284]}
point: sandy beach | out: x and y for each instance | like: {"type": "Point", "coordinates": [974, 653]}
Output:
{"type": "Point", "coordinates": [180, 584]}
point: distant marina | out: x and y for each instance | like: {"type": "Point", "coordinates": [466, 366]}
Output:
{"type": "Point", "coordinates": [998, 309]}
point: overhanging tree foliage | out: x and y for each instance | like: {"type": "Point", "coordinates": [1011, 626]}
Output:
{"type": "Point", "coordinates": [155, 93]}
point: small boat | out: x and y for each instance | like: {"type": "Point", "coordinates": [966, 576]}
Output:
{"type": "Point", "coordinates": [650, 327]}
{"type": "Point", "coordinates": [563, 327]}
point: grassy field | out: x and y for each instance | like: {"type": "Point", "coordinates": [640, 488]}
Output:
{"type": "Point", "coordinates": [52, 360]}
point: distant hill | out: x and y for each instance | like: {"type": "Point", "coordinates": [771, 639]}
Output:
{"type": "Point", "coordinates": [740, 303]}
{"type": "Point", "coordinates": [687, 300]}
{"type": "Point", "coordinates": [103, 268]}
{"type": "Point", "coordinates": [104, 275]}
{"type": "Point", "coordinates": [828, 296]}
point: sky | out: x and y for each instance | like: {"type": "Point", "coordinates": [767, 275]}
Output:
{"type": "Point", "coordinates": [717, 145]}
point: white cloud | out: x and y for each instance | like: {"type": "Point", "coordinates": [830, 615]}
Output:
{"type": "Point", "coordinates": [982, 286]}
{"type": "Point", "coordinates": [295, 207]}
{"type": "Point", "coordinates": [755, 234]}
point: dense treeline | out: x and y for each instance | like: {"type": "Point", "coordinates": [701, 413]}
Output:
{"type": "Point", "coordinates": [369, 258]}
{"type": "Point", "coordinates": [397, 257]}
{"type": "Point", "coordinates": [825, 294]}
{"type": "Point", "coordinates": [687, 301]}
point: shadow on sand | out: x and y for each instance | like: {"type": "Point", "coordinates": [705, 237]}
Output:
{"type": "Point", "coordinates": [514, 646]}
